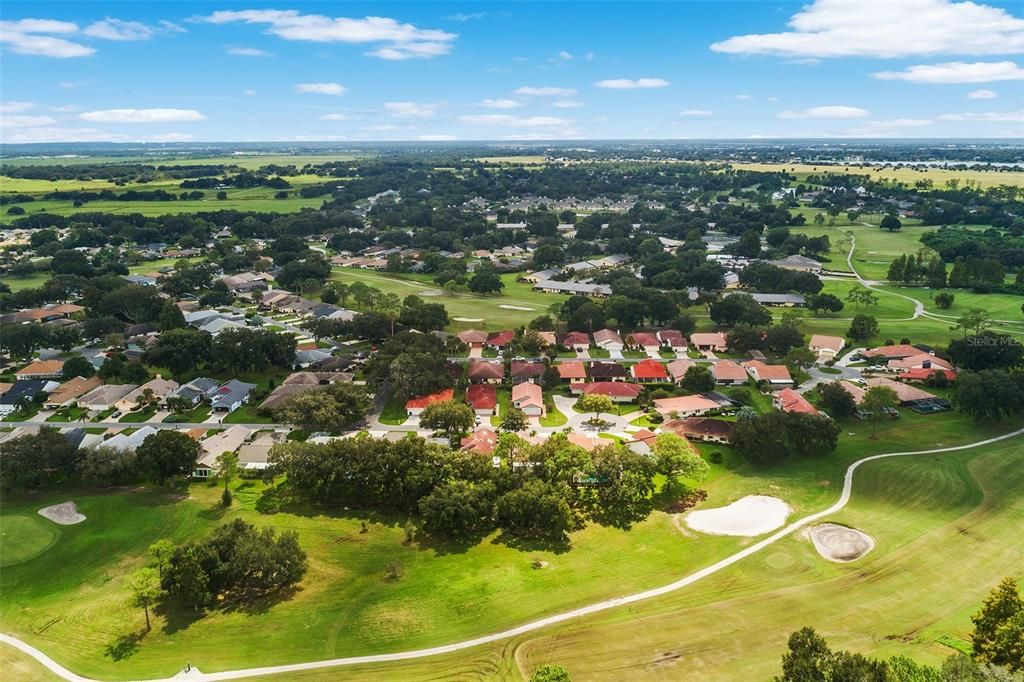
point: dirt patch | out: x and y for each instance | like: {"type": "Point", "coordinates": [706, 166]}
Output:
{"type": "Point", "coordinates": [468, 319]}
{"type": "Point", "coordinates": [840, 543]}
{"type": "Point", "coordinates": [429, 292]}
{"type": "Point", "coordinates": [748, 516]}
{"type": "Point", "coordinates": [65, 513]}
{"type": "Point", "coordinates": [508, 306]}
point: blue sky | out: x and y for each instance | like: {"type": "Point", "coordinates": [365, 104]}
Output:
{"type": "Point", "coordinates": [233, 71]}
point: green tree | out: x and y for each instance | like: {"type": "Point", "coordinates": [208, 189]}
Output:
{"type": "Point", "coordinates": [170, 317]}
{"type": "Point", "coordinates": [890, 222]}
{"type": "Point", "coordinates": [944, 301]}
{"type": "Point", "coordinates": [535, 510]}
{"type": "Point", "coordinates": [860, 296]}
{"type": "Point", "coordinates": [863, 327]}
{"type": "Point", "coordinates": [179, 350]}
{"type": "Point", "coordinates": [165, 454]}
{"type": "Point", "coordinates": [550, 673]}
{"type": "Point", "coordinates": [836, 400]}
{"type": "Point", "coordinates": [77, 366]}
{"type": "Point", "coordinates": [990, 394]}
{"type": "Point", "coordinates": [876, 401]}
{"type": "Point", "coordinates": [974, 320]}
{"type": "Point", "coordinates": [227, 469]}
{"type": "Point", "coordinates": [448, 416]}
{"type": "Point", "coordinates": [161, 552]}
{"type": "Point", "coordinates": [145, 588]}
{"type": "Point", "coordinates": [998, 636]}
{"type": "Point", "coordinates": [486, 281]}
{"type": "Point", "coordinates": [987, 350]}
{"type": "Point", "coordinates": [514, 420]}
{"type": "Point", "coordinates": [698, 379]}
{"type": "Point", "coordinates": [459, 510]}
{"type": "Point", "coordinates": [595, 403]}
{"type": "Point", "coordinates": [675, 458]}
{"type": "Point", "coordinates": [327, 408]}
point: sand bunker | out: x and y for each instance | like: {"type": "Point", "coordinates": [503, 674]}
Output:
{"type": "Point", "coordinates": [507, 306]}
{"type": "Point", "coordinates": [840, 543]}
{"type": "Point", "coordinates": [468, 319]}
{"type": "Point", "coordinates": [748, 516]}
{"type": "Point", "coordinates": [65, 513]}
{"type": "Point", "coordinates": [429, 292]}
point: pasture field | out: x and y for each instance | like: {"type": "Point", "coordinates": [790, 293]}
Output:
{"type": "Point", "coordinates": [244, 160]}
{"type": "Point", "coordinates": [905, 175]}
{"type": "Point", "coordinates": [346, 606]}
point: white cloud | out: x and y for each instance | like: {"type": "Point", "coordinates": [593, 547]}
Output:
{"type": "Point", "coordinates": [56, 134]}
{"type": "Point", "coordinates": [981, 94]}
{"type": "Point", "coordinates": [398, 41]}
{"type": "Point", "coordinates": [743, 98]}
{"type": "Point", "coordinates": [468, 17]}
{"type": "Point", "coordinates": [141, 115]}
{"type": "Point", "coordinates": [334, 117]}
{"type": "Point", "coordinates": [64, 108]}
{"type": "Point", "coordinates": [500, 103]}
{"type": "Point", "coordinates": [247, 52]}
{"type": "Point", "coordinates": [986, 117]}
{"type": "Point", "coordinates": [545, 92]}
{"type": "Point", "coordinates": [695, 112]}
{"type": "Point", "coordinates": [25, 121]}
{"type": "Point", "coordinates": [413, 109]}
{"type": "Point", "coordinates": [635, 84]}
{"type": "Point", "coordinates": [37, 37]}
{"type": "Point", "coordinates": [839, 28]}
{"type": "Point", "coordinates": [15, 107]}
{"type": "Point", "coordinates": [117, 29]}
{"type": "Point", "coordinates": [886, 128]}
{"type": "Point", "coordinates": [565, 55]}
{"type": "Point", "coordinates": [436, 138]}
{"type": "Point", "coordinates": [831, 111]}
{"type": "Point", "coordinates": [381, 128]}
{"type": "Point", "coordinates": [955, 72]}
{"type": "Point", "coordinates": [320, 88]}
{"type": "Point", "coordinates": [566, 104]}
{"type": "Point", "coordinates": [517, 121]}
{"type": "Point", "coordinates": [248, 93]}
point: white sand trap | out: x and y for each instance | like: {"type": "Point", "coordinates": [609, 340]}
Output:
{"type": "Point", "coordinates": [429, 292]}
{"type": "Point", "coordinates": [507, 306]}
{"type": "Point", "coordinates": [840, 543]}
{"type": "Point", "coordinates": [65, 513]}
{"type": "Point", "coordinates": [468, 319]}
{"type": "Point", "coordinates": [748, 516]}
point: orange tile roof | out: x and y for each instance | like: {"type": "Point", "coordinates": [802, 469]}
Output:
{"type": "Point", "coordinates": [427, 400]}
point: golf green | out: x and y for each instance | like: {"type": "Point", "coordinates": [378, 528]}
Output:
{"type": "Point", "coordinates": [24, 537]}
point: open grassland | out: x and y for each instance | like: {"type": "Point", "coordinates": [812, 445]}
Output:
{"type": "Point", "coordinates": [486, 308]}
{"type": "Point", "coordinates": [244, 160]}
{"type": "Point", "coordinates": [18, 667]}
{"type": "Point", "coordinates": [905, 175]}
{"type": "Point", "coordinates": [347, 606]}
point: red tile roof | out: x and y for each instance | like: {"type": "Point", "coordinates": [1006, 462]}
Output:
{"type": "Point", "coordinates": [481, 441]}
{"type": "Point", "coordinates": [502, 338]}
{"type": "Point", "coordinates": [525, 368]}
{"type": "Point", "coordinates": [576, 339]}
{"type": "Point", "coordinates": [482, 396]}
{"type": "Point", "coordinates": [673, 338]}
{"type": "Point", "coordinates": [617, 389]}
{"type": "Point", "coordinates": [649, 369]}
{"type": "Point", "coordinates": [727, 369]}
{"type": "Point", "coordinates": [572, 370]}
{"type": "Point", "coordinates": [643, 339]}
{"type": "Point", "coordinates": [924, 373]}
{"type": "Point", "coordinates": [901, 350]}
{"type": "Point", "coordinates": [427, 400]}
{"type": "Point", "coordinates": [789, 400]}
{"type": "Point", "coordinates": [481, 369]}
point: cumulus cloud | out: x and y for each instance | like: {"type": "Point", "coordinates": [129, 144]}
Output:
{"type": "Point", "coordinates": [695, 112]}
{"type": "Point", "coordinates": [460, 16]}
{"type": "Point", "coordinates": [39, 37]}
{"type": "Point", "coordinates": [248, 93]}
{"type": "Point", "coordinates": [839, 28]}
{"type": "Point", "coordinates": [141, 115]}
{"type": "Point", "coordinates": [17, 121]}
{"type": "Point", "coordinates": [516, 121]}
{"type": "Point", "coordinates": [413, 109]}
{"type": "Point", "coordinates": [117, 29]}
{"type": "Point", "coordinates": [743, 98]}
{"type": "Point", "coordinates": [566, 56]}
{"type": "Point", "coordinates": [334, 117]}
{"type": "Point", "coordinates": [500, 103]}
{"type": "Point", "coordinates": [987, 117]}
{"type": "Point", "coordinates": [955, 72]}
{"type": "Point", "coordinates": [15, 107]}
{"type": "Point", "coordinates": [632, 84]}
{"type": "Point", "coordinates": [831, 111]}
{"type": "Point", "coordinates": [981, 94]}
{"type": "Point", "coordinates": [436, 138]}
{"type": "Point", "coordinates": [320, 88]}
{"type": "Point", "coordinates": [566, 104]}
{"type": "Point", "coordinates": [247, 52]}
{"type": "Point", "coordinates": [530, 91]}
{"type": "Point", "coordinates": [397, 41]}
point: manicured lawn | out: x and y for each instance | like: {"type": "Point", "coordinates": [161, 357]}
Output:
{"type": "Point", "coordinates": [346, 606]}
{"type": "Point", "coordinates": [247, 414]}
{"type": "Point", "coordinates": [67, 414]}
{"type": "Point", "coordinates": [394, 412]}
{"type": "Point", "coordinates": [504, 404]}
{"type": "Point", "coordinates": [196, 415]}
{"type": "Point", "coordinates": [23, 536]}
{"type": "Point", "coordinates": [552, 417]}
{"type": "Point", "coordinates": [138, 417]}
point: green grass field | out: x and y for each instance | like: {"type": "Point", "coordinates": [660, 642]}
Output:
{"type": "Point", "coordinates": [23, 537]}
{"type": "Point", "coordinates": [346, 606]}
{"type": "Point", "coordinates": [907, 176]}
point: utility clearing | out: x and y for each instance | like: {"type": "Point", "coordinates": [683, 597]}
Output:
{"type": "Point", "coordinates": [840, 543]}
{"type": "Point", "coordinates": [65, 513]}
{"type": "Point", "coordinates": [747, 517]}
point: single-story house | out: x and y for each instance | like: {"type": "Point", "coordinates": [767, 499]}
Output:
{"type": "Point", "coordinates": [618, 391]}
{"type": "Point", "coordinates": [105, 397]}
{"type": "Point", "coordinates": [776, 375]}
{"type": "Point", "coordinates": [255, 455]}
{"type": "Point", "coordinates": [608, 339]}
{"type": "Point", "coordinates": [541, 275]}
{"type": "Point", "coordinates": [925, 373]}
{"type": "Point", "coordinates": [677, 368]}
{"type": "Point", "coordinates": [774, 300]}
{"type": "Point", "coordinates": [500, 339]}
{"type": "Point", "coordinates": [578, 341]}
{"type": "Point", "coordinates": [231, 395]}
{"type": "Point", "coordinates": [70, 391]}
{"type": "Point", "coordinates": [685, 406]}
{"type": "Point", "coordinates": [527, 371]}
{"type": "Point", "coordinates": [788, 400]}
{"type": "Point", "coordinates": [548, 338]}
{"type": "Point", "coordinates": [129, 443]}
{"type": "Point", "coordinates": [482, 441]}
{"type": "Point", "coordinates": [41, 369]}
{"type": "Point", "coordinates": [919, 361]}
{"type": "Point", "coordinates": [727, 372]}
{"type": "Point", "coordinates": [483, 398]}
{"type": "Point", "coordinates": [308, 357]}
{"type": "Point", "coordinates": [572, 371]}
{"type": "Point", "coordinates": [645, 341]}
{"type": "Point", "coordinates": [23, 389]}
{"type": "Point", "coordinates": [195, 391]}
{"type": "Point", "coordinates": [607, 371]}
{"type": "Point", "coordinates": [159, 387]}
{"type": "Point", "coordinates": [529, 398]}
{"type": "Point", "coordinates": [673, 339]}
{"type": "Point", "coordinates": [827, 347]}
{"type": "Point", "coordinates": [713, 341]}
{"type": "Point", "coordinates": [798, 263]}
{"type": "Point", "coordinates": [415, 406]}
{"type": "Point", "coordinates": [551, 286]}
{"type": "Point", "coordinates": [907, 394]}
{"type": "Point", "coordinates": [703, 429]}
{"type": "Point", "coordinates": [649, 371]}
{"type": "Point", "coordinates": [484, 372]}
{"type": "Point", "coordinates": [894, 352]}
{"type": "Point", "coordinates": [473, 338]}
{"type": "Point", "coordinates": [210, 449]}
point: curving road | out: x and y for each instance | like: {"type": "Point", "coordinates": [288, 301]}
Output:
{"type": "Point", "coordinates": [844, 498]}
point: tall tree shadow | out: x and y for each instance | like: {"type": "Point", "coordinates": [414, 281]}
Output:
{"type": "Point", "coordinates": [125, 646]}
